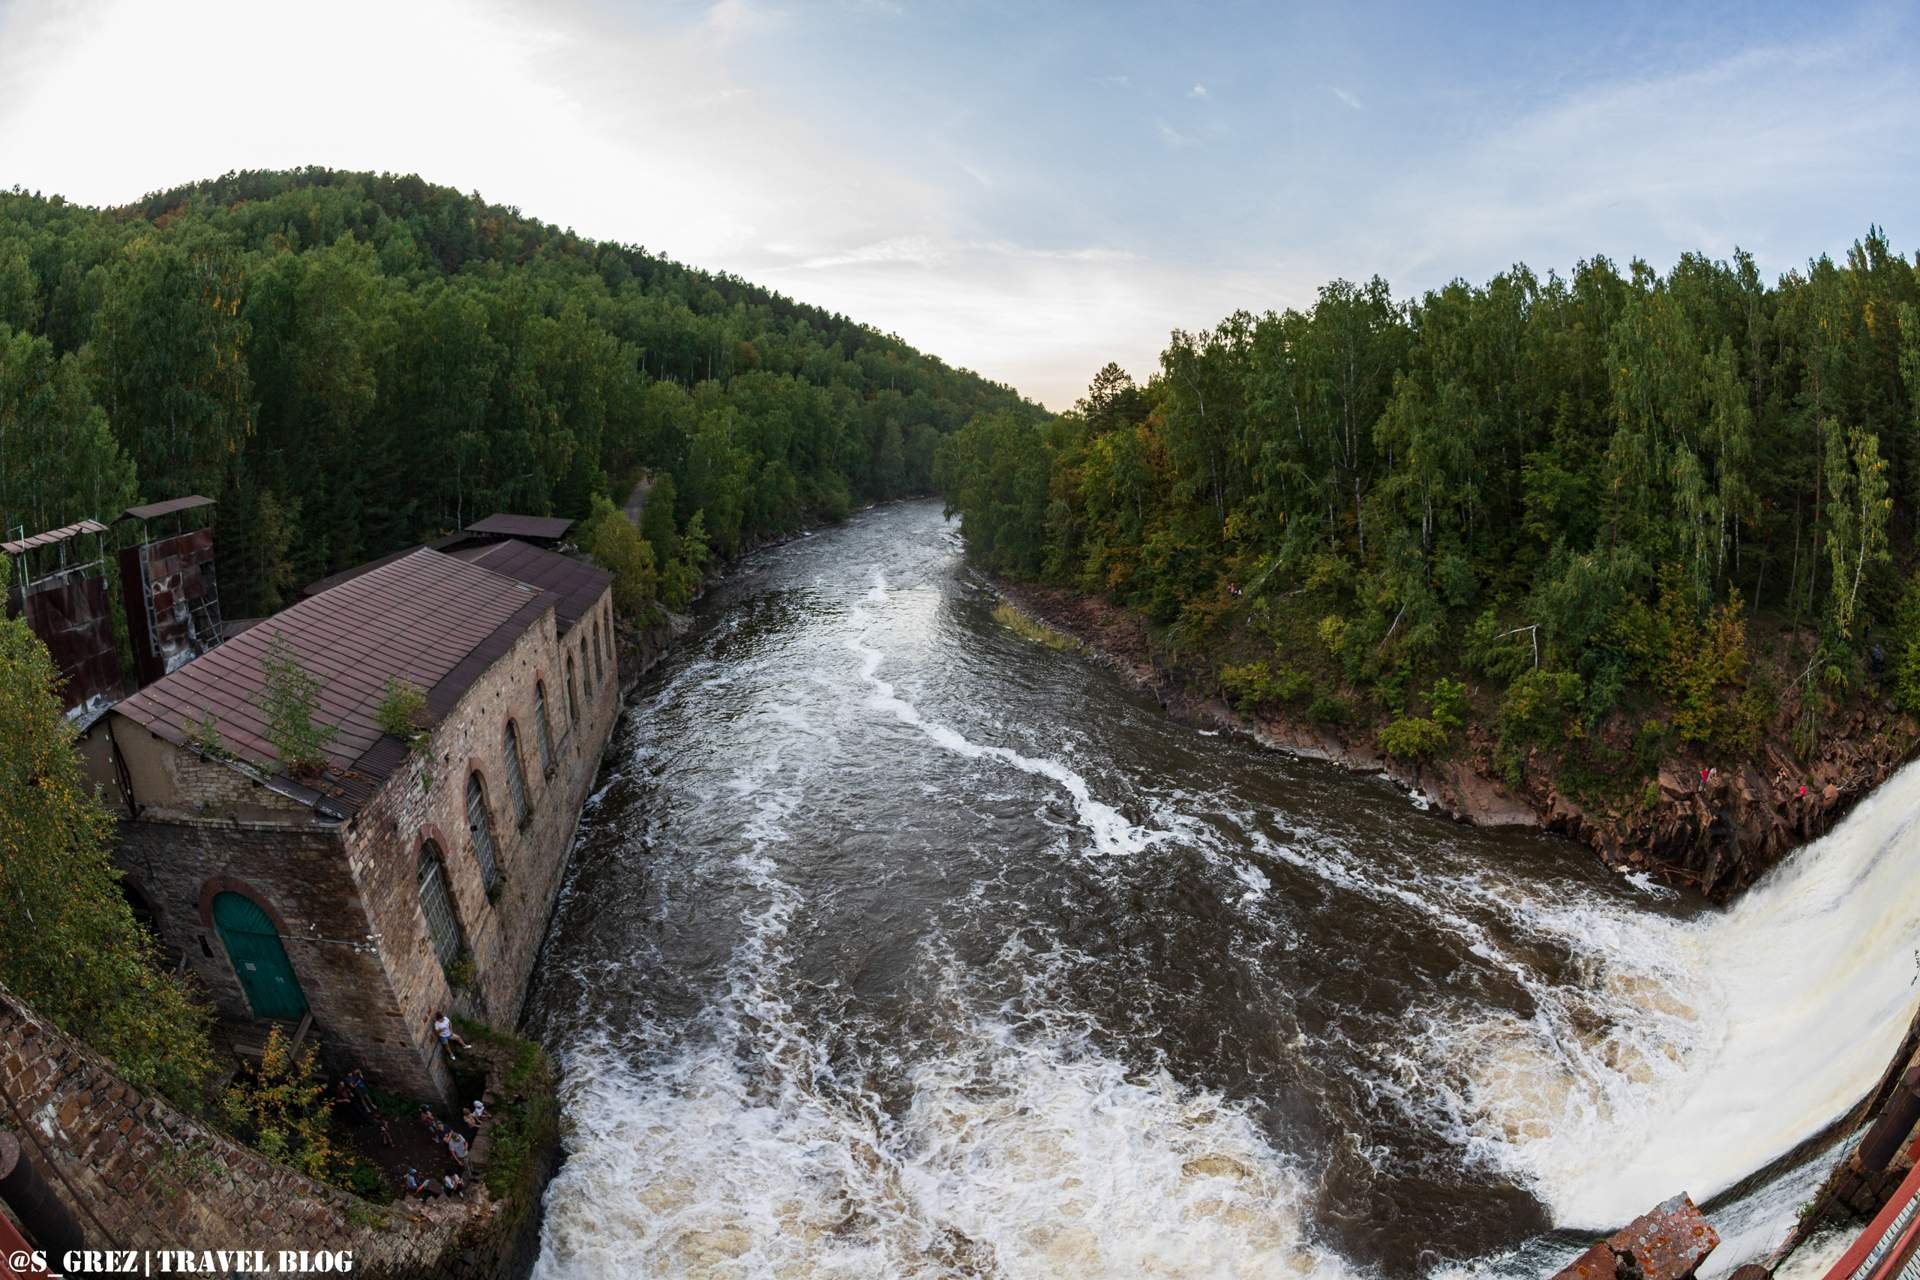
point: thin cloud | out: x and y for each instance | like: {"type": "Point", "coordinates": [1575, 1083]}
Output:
{"type": "Point", "coordinates": [1694, 159]}
{"type": "Point", "coordinates": [1115, 82]}
{"type": "Point", "coordinates": [1346, 96]}
{"type": "Point", "coordinates": [1198, 91]}
{"type": "Point", "coordinates": [1172, 136]}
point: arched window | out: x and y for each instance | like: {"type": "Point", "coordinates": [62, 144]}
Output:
{"type": "Point", "coordinates": [606, 636]}
{"type": "Point", "coordinates": [599, 672]}
{"type": "Point", "coordinates": [573, 701]}
{"type": "Point", "coordinates": [480, 823]}
{"type": "Point", "coordinates": [545, 736]}
{"type": "Point", "coordinates": [586, 669]}
{"type": "Point", "coordinates": [442, 925]}
{"type": "Point", "coordinates": [516, 775]}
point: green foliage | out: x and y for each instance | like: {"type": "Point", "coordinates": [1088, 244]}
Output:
{"type": "Point", "coordinates": [621, 551]}
{"type": "Point", "coordinates": [657, 523]}
{"type": "Point", "coordinates": [59, 462]}
{"type": "Point", "coordinates": [1327, 708]}
{"type": "Point", "coordinates": [281, 1108]}
{"type": "Point", "coordinates": [1534, 473]}
{"type": "Point", "coordinates": [1333, 634]}
{"type": "Point", "coordinates": [526, 1123]}
{"type": "Point", "coordinates": [1541, 707]}
{"type": "Point", "coordinates": [1254, 683]}
{"type": "Point", "coordinates": [1413, 738]}
{"type": "Point", "coordinates": [1028, 627]}
{"type": "Point", "coordinates": [72, 949]}
{"type": "Point", "coordinates": [289, 698]}
{"type": "Point", "coordinates": [203, 734]}
{"type": "Point", "coordinates": [1904, 654]}
{"type": "Point", "coordinates": [1697, 663]}
{"type": "Point", "coordinates": [1448, 698]}
{"type": "Point", "coordinates": [681, 581]}
{"type": "Point", "coordinates": [352, 363]}
{"type": "Point", "coordinates": [403, 712]}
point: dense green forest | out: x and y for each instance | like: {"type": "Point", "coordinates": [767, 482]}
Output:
{"type": "Point", "coordinates": [352, 362]}
{"type": "Point", "coordinates": [1696, 491]}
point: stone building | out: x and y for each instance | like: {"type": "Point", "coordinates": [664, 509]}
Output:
{"type": "Point", "coordinates": [397, 881]}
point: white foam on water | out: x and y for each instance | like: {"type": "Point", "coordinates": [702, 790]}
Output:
{"type": "Point", "coordinates": [1112, 833]}
{"type": "Point", "coordinates": [1021, 1152]}
{"type": "Point", "coordinates": [1690, 1053]}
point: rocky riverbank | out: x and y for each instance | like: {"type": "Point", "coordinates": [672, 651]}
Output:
{"type": "Point", "coordinates": [1715, 834]}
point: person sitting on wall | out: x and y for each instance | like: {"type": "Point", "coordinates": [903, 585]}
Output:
{"type": "Point", "coordinates": [425, 1188]}
{"type": "Point", "coordinates": [457, 1147]}
{"type": "Point", "coordinates": [454, 1183]}
{"type": "Point", "coordinates": [474, 1114]}
{"type": "Point", "coordinates": [443, 1027]}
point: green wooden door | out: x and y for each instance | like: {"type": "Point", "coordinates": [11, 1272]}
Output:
{"type": "Point", "coordinates": [253, 944]}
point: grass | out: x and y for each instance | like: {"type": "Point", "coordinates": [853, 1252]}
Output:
{"type": "Point", "coordinates": [1028, 627]}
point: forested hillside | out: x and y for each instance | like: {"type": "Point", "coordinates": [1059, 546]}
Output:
{"type": "Point", "coordinates": [1696, 491]}
{"type": "Point", "coordinates": [352, 362]}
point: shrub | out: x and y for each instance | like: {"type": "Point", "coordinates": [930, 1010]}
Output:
{"type": "Point", "coordinates": [1333, 633]}
{"type": "Point", "coordinates": [281, 1108]}
{"type": "Point", "coordinates": [1540, 708]}
{"type": "Point", "coordinates": [203, 734]}
{"type": "Point", "coordinates": [403, 711]}
{"type": "Point", "coordinates": [1253, 683]}
{"type": "Point", "coordinates": [619, 549]}
{"type": "Point", "coordinates": [291, 694]}
{"type": "Point", "coordinates": [1698, 662]}
{"type": "Point", "coordinates": [1448, 699]}
{"type": "Point", "coordinates": [1413, 738]}
{"type": "Point", "coordinates": [1326, 708]}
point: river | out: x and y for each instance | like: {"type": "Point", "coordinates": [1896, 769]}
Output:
{"type": "Point", "coordinates": [897, 945]}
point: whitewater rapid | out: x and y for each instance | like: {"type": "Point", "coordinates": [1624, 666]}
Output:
{"type": "Point", "coordinates": [897, 947]}
{"type": "Point", "coordinates": [1756, 1027]}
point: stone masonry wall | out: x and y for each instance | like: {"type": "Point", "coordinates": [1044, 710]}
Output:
{"type": "Point", "coordinates": [301, 880]}
{"type": "Point", "coordinates": [427, 800]}
{"type": "Point", "coordinates": [345, 896]}
{"type": "Point", "coordinates": [136, 1173]}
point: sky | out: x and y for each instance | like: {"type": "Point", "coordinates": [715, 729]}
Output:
{"type": "Point", "coordinates": [1025, 189]}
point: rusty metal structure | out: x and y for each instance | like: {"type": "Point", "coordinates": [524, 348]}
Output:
{"type": "Point", "coordinates": [59, 585]}
{"type": "Point", "coordinates": [171, 590]}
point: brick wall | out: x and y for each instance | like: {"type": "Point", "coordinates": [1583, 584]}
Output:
{"type": "Point", "coordinates": [136, 1173]}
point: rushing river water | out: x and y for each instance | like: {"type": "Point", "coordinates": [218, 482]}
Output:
{"type": "Point", "coordinates": [896, 945]}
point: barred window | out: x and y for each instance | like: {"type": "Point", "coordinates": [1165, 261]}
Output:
{"type": "Point", "coordinates": [516, 775]}
{"type": "Point", "coordinates": [573, 702]}
{"type": "Point", "coordinates": [442, 926]}
{"type": "Point", "coordinates": [480, 824]}
{"type": "Point", "coordinates": [545, 735]}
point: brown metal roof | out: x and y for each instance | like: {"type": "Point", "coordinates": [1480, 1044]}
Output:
{"type": "Point", "coordinates": [427, 618]}
{"type": "Point", "coordinates": [507, 525]}
{"type": "Point", "coordinates": [577, 583]}
{"type": "Point", "coordinates": [22, 545]}
{"type": "Point", "coordinates": [167, 508]}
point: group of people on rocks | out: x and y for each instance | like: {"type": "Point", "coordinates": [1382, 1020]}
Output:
{"type": "Point", "coordinates": [458, 1146]}
{"type": "Point", "coordinates": [350, 1093]}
